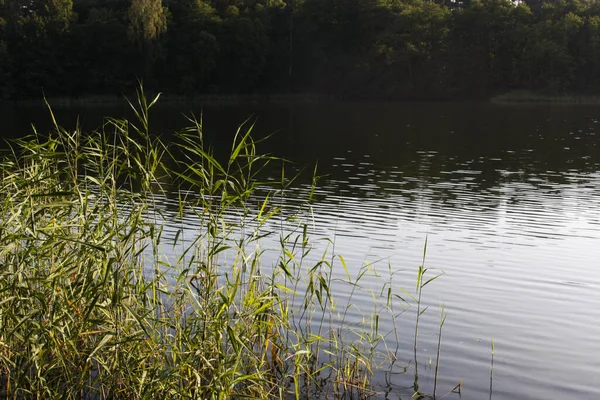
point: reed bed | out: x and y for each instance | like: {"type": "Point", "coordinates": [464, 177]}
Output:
{"type": "Point", "coordinates": [97, 301]}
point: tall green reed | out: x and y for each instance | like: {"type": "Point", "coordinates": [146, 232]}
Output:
{"type": "Point", "coordinates": [99, 298]}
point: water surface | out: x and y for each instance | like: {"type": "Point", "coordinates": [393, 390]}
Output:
{"type": "Point", "coordinates": [508, 198]}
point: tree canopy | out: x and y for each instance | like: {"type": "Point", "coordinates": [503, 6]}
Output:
{"type": "Point", "coordinates": [404, 49]}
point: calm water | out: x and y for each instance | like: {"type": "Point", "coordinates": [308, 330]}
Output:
{"type": "Point", "coordinates": [508, 197]}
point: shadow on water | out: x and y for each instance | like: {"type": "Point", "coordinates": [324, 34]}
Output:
{"type": "Point", "coordinates": [422, 140]}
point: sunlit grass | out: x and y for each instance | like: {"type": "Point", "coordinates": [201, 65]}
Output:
{"type": "Point", "coordinates": [93, 306]}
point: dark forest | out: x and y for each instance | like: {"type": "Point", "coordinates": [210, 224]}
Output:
{"type": "Point", "coordinates": [386, 49]}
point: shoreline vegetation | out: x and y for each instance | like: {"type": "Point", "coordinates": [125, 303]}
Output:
{"type": "Point", "coordinates": [528, 96]}
{"type": "Point", "coordinates": [511, 97]}
{"type": "Point", "coordinates": [393, 49]}
{"type": "Point", "coordinates": [104, 294]}
{"type": "Point", "coordinates": [171, 99]}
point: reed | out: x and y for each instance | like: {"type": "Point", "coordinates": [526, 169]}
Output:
{"type": "Point", "coordinates": [106, 294]}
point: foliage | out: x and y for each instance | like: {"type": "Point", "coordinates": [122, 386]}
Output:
{"type": "Point", "coordinates": [103, 296]}
{"type": "Point", "coordinates": [348, 48]}
{"type": "Point", "coordinates": [147, 19]}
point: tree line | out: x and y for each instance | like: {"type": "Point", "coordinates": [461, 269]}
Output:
{"type": "Point", "coordinates": [403, 49]}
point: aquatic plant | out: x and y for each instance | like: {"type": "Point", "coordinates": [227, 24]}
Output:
{"type": "Point", "coordinates": [104, 293]}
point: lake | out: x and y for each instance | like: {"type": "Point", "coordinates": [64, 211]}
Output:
{"type": "Point", "coordinates": [507, 197]}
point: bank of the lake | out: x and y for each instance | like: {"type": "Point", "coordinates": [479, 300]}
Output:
{"type": "Point", "coordinates": [533, 97]}
{"type": "Point", "coordinates": [232, 99]}
{"type": "Point", "coordinates": [179, 100]}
